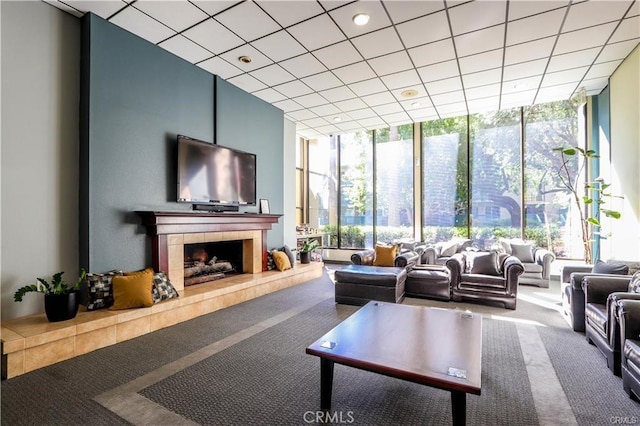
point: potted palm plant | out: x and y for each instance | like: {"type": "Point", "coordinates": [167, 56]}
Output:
{"type": "Point", "coordinates": [308, 245]}
{"type": "Point", "coordinates": [60, 298]}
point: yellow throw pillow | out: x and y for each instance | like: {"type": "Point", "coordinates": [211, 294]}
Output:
{"type": "Point", "coordinates": [282, 260]}
{"type": "Point", "coordinates": [133, 290]}
{"type": "Point", "coordinates": [385, 255]}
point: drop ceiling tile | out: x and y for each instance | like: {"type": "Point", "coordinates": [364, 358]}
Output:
{"type": "Point", "coordinates": [293, 89]}
{"type": "Point", "coordinates": [248, 21]}
{"type": "Point", "coordinates": [220, 67]}
{"type": "Point", "coordinates": [555, 93]}
{"type": "Point", "coordinates": [448, 98]}
{"type": "Point", "coordinates": [350, 104]}
{"type": "Point", "coordinates": [452, 110]}
{"type": "Point", "coordinates": [378, 43]}
{"type": "Point", "coordinates": [484, 104]}
{"type": "Point", "coordinates": [269, 95]}
{"type": "Point", "coordinates": [279, 46]}
{"type": "Point", "coordinates": [213, 36]}
{"type": "Point", "coordinates": [604, 69]}
{"type": "Point", "coordinates": [303, 65]}
{"type": "Point", "coordinates": [246, 83]}
{"type": "Point", "coordinates": [491, 90]}
{"type": "Point", "coordinates": [310, 100]}
{"type": "Point", "coordinates": [482, 78]}
{"type": "Point", "coordinates": [388, 64]}
{"type": "Point", "coordinates": [517, 99]}
{"type": "Point", "coordinates": [564, 77]}
{"type": "Point", "coordinates": [303, 114]}
{"type": "Point", "coordinates": [322, 81]}
{"type": "Point", "coordinates": [372, 123]}
{"type": "Point", "coordinates": [572, 60]}
{"type": "Point", "coordinates": [350, 126]}
{"type": "Point", "coordinates": [524, 69]}
{"type": "Point", "coordinates": [176, 15]}
{"type": "Point", "coordinates": [185, 48]}
{"type": "Point", "coordinates": [388, 108]}
{"type": "Point", "coordinates": [439, 71]}
{"type": "Point", "coordinates": [338, 55]}
{"type": "Point", "coordinates": [258, 60]}
{"type": "Point", "coordinates": [620, 50]}
{"type": "Point", "coordinates": [481, 61]}
{"type": "Point", "coordinates": [628, 29]}
{"type": "Point", "coordinates": [589, 13]}
{"type": "Point", "coordinates": [272, 75]}
{"type": "Point", "coordinates": [529, 51]}
{"type": "Point", "coordinates": [423, 114]}
{"type": "Point", "coordinates": [521, 84]}
{"type": "Point", "coordinates": [290, 12]}
{"type": "Point", "coordinates": [299, 126]}
{"type": "Point", "coordinates": [367, 87]}
{"type": "Point", "coordinates": [401, 79]}
{"type": "Point", "coordinates": [421, 96]}
{"type": "Point", "coordinates": [325, 110]}
{"type": "Point", "coordinates": [480, 41]}
{"type": "Point", "coordinates": [316, 122]}
{"type": "Point", "coordinates": [635, 10]}
{"type": "Point", "coordinates": [584, 39]}
{"type": "Point", "coordinates": [214, 7]}
{"type": "Point", "coordinates": [595, 84]}
{"type": "Point", "coordinates": [416, 103]}
{"type": "Point", "coordinates": [520, 9]}
{"type": "Point", "coordinates": [327, 130]}
{"type": "Point", "coordinates": [356, 72]}
{"type": "Point", "coordinates": [309, 133]}
{"type": "Point", "coordinates": [338, 94]}
{"type": "Point", "coordinates": [413, 32]}
{"type": "Point", "coordinates": [317, 32]}
{"type": "Point", "coordinates": [432, 53]}
{"type": "Point", "coordinates": [332, 4]}
{"type": "Point", "coordinates": [360, 114]}
{"type": "Point", "coordinates": [443, 86]}
{"type": "Point", "coordinates": [136, 22]}
{"type": "Point", "coordinates": [104, 9]}
{"type": "Point", "coordinates": [403, 10]}
{"type": "Point", "coordinates": [378, 99]}
{"type": "Point", "coordinates": [344, 17]}
{"type": "Point", "coordinates": [534, 27]}
{"type": "Point", "coordinates": [287, 105]}
{"type": "Point", "coordinates": [477, 15]}
{"type": "Point", "coordinates": [397, 119]}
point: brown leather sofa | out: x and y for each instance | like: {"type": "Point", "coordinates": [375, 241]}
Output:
{"type": "Point", "coordinates": [469, 282]}
{"type": "Point", "coordinates": [602, 297]}
{"type": "Point", "coordinates": [629, 317]}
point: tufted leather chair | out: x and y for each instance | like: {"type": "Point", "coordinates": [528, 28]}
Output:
{"type": "Point", "coordinates": [629, 317]}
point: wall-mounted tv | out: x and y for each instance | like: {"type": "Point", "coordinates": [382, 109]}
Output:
{"type": "Point", "coordinates": [214, 175]}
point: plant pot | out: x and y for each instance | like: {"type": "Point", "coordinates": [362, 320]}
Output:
{"type": "Point", "coordinates": [305, 257]}
{"type": "Point", "coordinates": [61, 307]}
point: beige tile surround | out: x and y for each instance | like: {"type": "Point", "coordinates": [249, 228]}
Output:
{"type": "Point", "coordinates": [31, 342]}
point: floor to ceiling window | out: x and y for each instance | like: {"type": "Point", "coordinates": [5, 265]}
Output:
{"type": "Point", "coordinates": [323, 186]}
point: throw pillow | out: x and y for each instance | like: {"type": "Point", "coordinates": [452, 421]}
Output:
{"type": "Point", "coordinates": [385, 255]}
{"type": "Point", "coordinates": [485, 263]}
{"type": "Point", "coordinates": [634, 285]}
{"type": "Point", "coordinates": [98, 290]}
{"type": "Point", "coordinates": [610, 268]}
{"type": "Point", "coordinates": [524, 252]}
{"type": "Point", "coordinates": [449, 248]}
{"type": "Point", "coordinates": [271, 264]}
{"type": "Point", "coordinates": [290, 255]}
{"type": "Point", "coordinates": [162, 288]}
{"type": "Point", "coordinates": [282, 260]}
{"type": "Point", "coordinates": [133, 290]}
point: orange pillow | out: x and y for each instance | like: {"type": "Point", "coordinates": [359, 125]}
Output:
{"type": "Point", "coordinates": [385, 255]}
{"type": "Point", "coordinates": [133, 290]}
{"type": "Point", "coordinates": [282, 260]}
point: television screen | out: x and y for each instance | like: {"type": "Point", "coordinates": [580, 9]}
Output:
{"type": "Point", "coordinates": [214, 174]}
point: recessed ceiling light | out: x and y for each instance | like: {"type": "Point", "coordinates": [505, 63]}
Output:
{"type": "Point", "coordinates": [360, 19]}
{"type": "Point", "coordinates": [415, 104]}
{"type": "Point", "coordinates": [245, 59]}
{"type": "Point", "coordinates": [410, 93]}
{"type": "Point", "coordinates": [337, 119]}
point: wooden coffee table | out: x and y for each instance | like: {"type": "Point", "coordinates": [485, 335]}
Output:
{"type": "Point", "coordinates": [435, 347]}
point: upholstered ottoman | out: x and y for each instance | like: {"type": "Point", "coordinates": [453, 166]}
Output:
{"type": "Point", "coordinates": [432, 283]}
{"type": "Point", "coordinates": [358, 284]}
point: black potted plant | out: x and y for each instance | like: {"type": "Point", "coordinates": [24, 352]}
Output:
{"type": "Point", "coordinates": [308, 245]}
{"type": "Point", "coordinates": [60, 299]}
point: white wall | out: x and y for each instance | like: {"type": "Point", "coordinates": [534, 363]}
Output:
{"type": "Point", "coordinates": [40, 48]}
{"type": "Point", "coordinates": [625, 156]}
{"type": "Point", "coordinates": [289, 184]}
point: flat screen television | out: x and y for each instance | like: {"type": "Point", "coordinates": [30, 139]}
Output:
{"type": "Point", "coordinates": [214, 176]}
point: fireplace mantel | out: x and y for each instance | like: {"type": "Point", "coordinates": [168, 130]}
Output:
{"type": "Point", "coordinates": [165, 228]}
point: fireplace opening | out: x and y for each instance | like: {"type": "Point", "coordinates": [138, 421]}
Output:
{"type": "Point", "coordinates": [205, 262]}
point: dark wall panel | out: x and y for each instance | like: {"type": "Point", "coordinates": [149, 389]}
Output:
{"type": "Point", "coordinates": [136, 98]}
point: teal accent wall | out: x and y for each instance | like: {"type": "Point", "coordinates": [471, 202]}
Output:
{"type": "Point", "coordinates": [600, 137]}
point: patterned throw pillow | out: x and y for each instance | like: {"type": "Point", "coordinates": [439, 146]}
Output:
{"type": "Point", "coordinates": [271, 264]}
{"type": "Point", "coordinates": [162, 288]}
{"type": "Point", "coordinates": [634, 285]}
{"type": "Point", "coordinates": [99, 289]}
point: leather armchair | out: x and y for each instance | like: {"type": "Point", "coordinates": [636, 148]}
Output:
{"type": "Point", "coordinates": [629, 317]}
{"type": "Point", "coordinates": [405, 259]}
{"type": "Point", "coordinates": [439, 253]}
{"type": "Point", "coordinates": [602, 296]}
{"type": "Point", "coordinates": [480, 287]}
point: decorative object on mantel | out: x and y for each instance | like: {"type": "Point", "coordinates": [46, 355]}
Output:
{"type": "Point", "coordinates": [264, 206]}
{"type": "Point", "coordinates": [60, 299]}
{"type": "Point", "coordinates": [308, 245]}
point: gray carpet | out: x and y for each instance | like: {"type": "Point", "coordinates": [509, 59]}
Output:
{"type": "Point", "coordinates": [265, 377]}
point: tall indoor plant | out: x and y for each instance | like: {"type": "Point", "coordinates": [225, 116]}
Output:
{"type": "Point", "coordinates": [591, 193]}
{"type": "Point", "coordinates": [60, 298]}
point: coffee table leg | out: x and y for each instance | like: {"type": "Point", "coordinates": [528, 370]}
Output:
{"type": "Point", "coordinates": [326, 383]}
{"type": "Point", "coordinates": [459, 407]}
